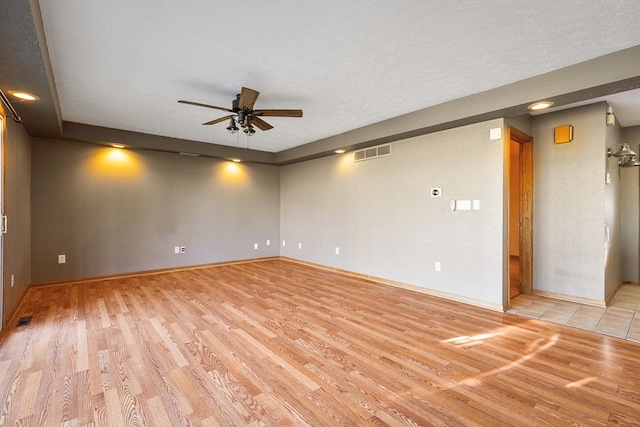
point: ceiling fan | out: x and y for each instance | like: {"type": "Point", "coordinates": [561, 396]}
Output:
{"type": "Point", "coordinates": [244, 114]}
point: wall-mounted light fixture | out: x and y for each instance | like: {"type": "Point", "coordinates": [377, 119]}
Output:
{"type": "Point", "coordinates": [633, 161]}
{"type": "Point", "coordinates": [627, 157]}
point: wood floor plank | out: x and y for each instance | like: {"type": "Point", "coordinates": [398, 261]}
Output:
{"type": "Point", "coordinates": [276, 343]}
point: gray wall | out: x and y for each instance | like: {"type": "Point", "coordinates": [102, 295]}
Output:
{"type": "Point", "coordinates": [115, 211]}
{"type": "Point", "coordinates": [17, 241]}
{"type": "Point", "coordinates": [380, 214]}
{"type": "Point", "coordinates": [569, 204]}
{"type": "Point", "coordinates": [612, 212]}
{"type": "Point", "coordinates": [630, 208]}
{"type": "Point", "coordinates": [522, 123]}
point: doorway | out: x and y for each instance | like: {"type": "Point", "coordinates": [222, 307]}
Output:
{"type": "Point", "coordinates": [514, 218]}
{"type": "Point", "coordinates": [519, 149]}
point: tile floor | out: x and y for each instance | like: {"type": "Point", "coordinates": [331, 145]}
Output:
{"type": "Point", "coordinates": [620, 319]}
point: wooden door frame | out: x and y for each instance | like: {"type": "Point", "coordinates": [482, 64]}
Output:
{"type": "Point", "coordinates": [3, 144]}
{"type": "Point", "coordinates": [526, 206]}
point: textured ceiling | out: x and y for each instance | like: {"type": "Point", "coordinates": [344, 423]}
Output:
{"type": "Point", "coordinates": [123, 64]}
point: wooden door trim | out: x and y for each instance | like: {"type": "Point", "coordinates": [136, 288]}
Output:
{"type": "Point", "coordinates": [526, 205]}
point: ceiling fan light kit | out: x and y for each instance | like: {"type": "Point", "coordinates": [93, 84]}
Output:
{"type": "Point", "coordinates": [232, 128]}
{"type": "Point", "coordinates": [244, 115]}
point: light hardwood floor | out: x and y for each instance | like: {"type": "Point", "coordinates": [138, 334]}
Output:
{"type": "Point", "coordinates": [279, 343]}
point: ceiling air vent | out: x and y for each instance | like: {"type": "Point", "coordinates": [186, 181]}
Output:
{"type": "Point", "coordinates": [372, 152]}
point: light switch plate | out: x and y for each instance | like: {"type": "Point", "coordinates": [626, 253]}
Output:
{"type": "Point", "coordinates": [495, 133]}
{"type": "Point", "coordinates": [463, 205]}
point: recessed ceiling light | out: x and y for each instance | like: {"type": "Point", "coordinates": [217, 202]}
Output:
{"type": "Point", "coordinates": [236, 160]}
{"type": "Point", "coordinates": [117, 145]}
{"type": "Point", "coordinates": [540, 105]}
{"type": "Point", "coordinates": [23, 96]}
{"type": "Point", "coordinates": [340, 151]}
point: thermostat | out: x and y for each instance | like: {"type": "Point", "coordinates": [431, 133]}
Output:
{"type": "Point", "coordinates": [436, 192]}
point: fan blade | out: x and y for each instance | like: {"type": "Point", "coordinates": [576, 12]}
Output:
{"type": "Point", "coordinates": [260, 124]}
{"type": "Point", "coordinates": [278, 113]}
{"type": "Point", "coordinates": [221, 119]}
{"type": "Point", "coordinates": [247, 98]}
{"type": "Point", "coordinates": [205, 105]}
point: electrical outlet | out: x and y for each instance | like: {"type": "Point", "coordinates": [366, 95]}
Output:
{"type": "Point", "coordinates": [284, 243]}
{"type": "Point", "coordinates": [183, 249]}
{"type": "Point", "coordinates": [255, 246]}
{"type": "Point", "coordinates": [13, 280]}
{"type": "Point", "coordinates": [62, 259]}
{"type": "Point", "coordinates": [438, 266]}
{"type": "Point", "coordinates": [268, 242]}
{"type": "Point", "coordinates": [177, 249]}
{"type": "Point", "coordinates": [337, 250]}
{"type": "Point", "coordinates": [299, 245]}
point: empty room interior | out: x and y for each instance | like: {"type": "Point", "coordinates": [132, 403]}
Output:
{"type": "Point", "coordinates": [320, 213]}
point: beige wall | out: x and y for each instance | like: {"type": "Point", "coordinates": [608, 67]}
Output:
{"type": "Point", "coordinates": [380, 214]}
{"type": "Point", "coordinates": [570, 199]}
{"type": "Point", "coordinates": [17, 241]}
{"type": "Point", "coordinates": [613, 212]}
{"type": "Point", "coordinates": [630, 208]}
{"type": "Point", "coordinates": [115, 211]}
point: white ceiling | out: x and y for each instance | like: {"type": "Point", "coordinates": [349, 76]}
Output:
{"type": "Point", "coordinates": [123, 64]}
